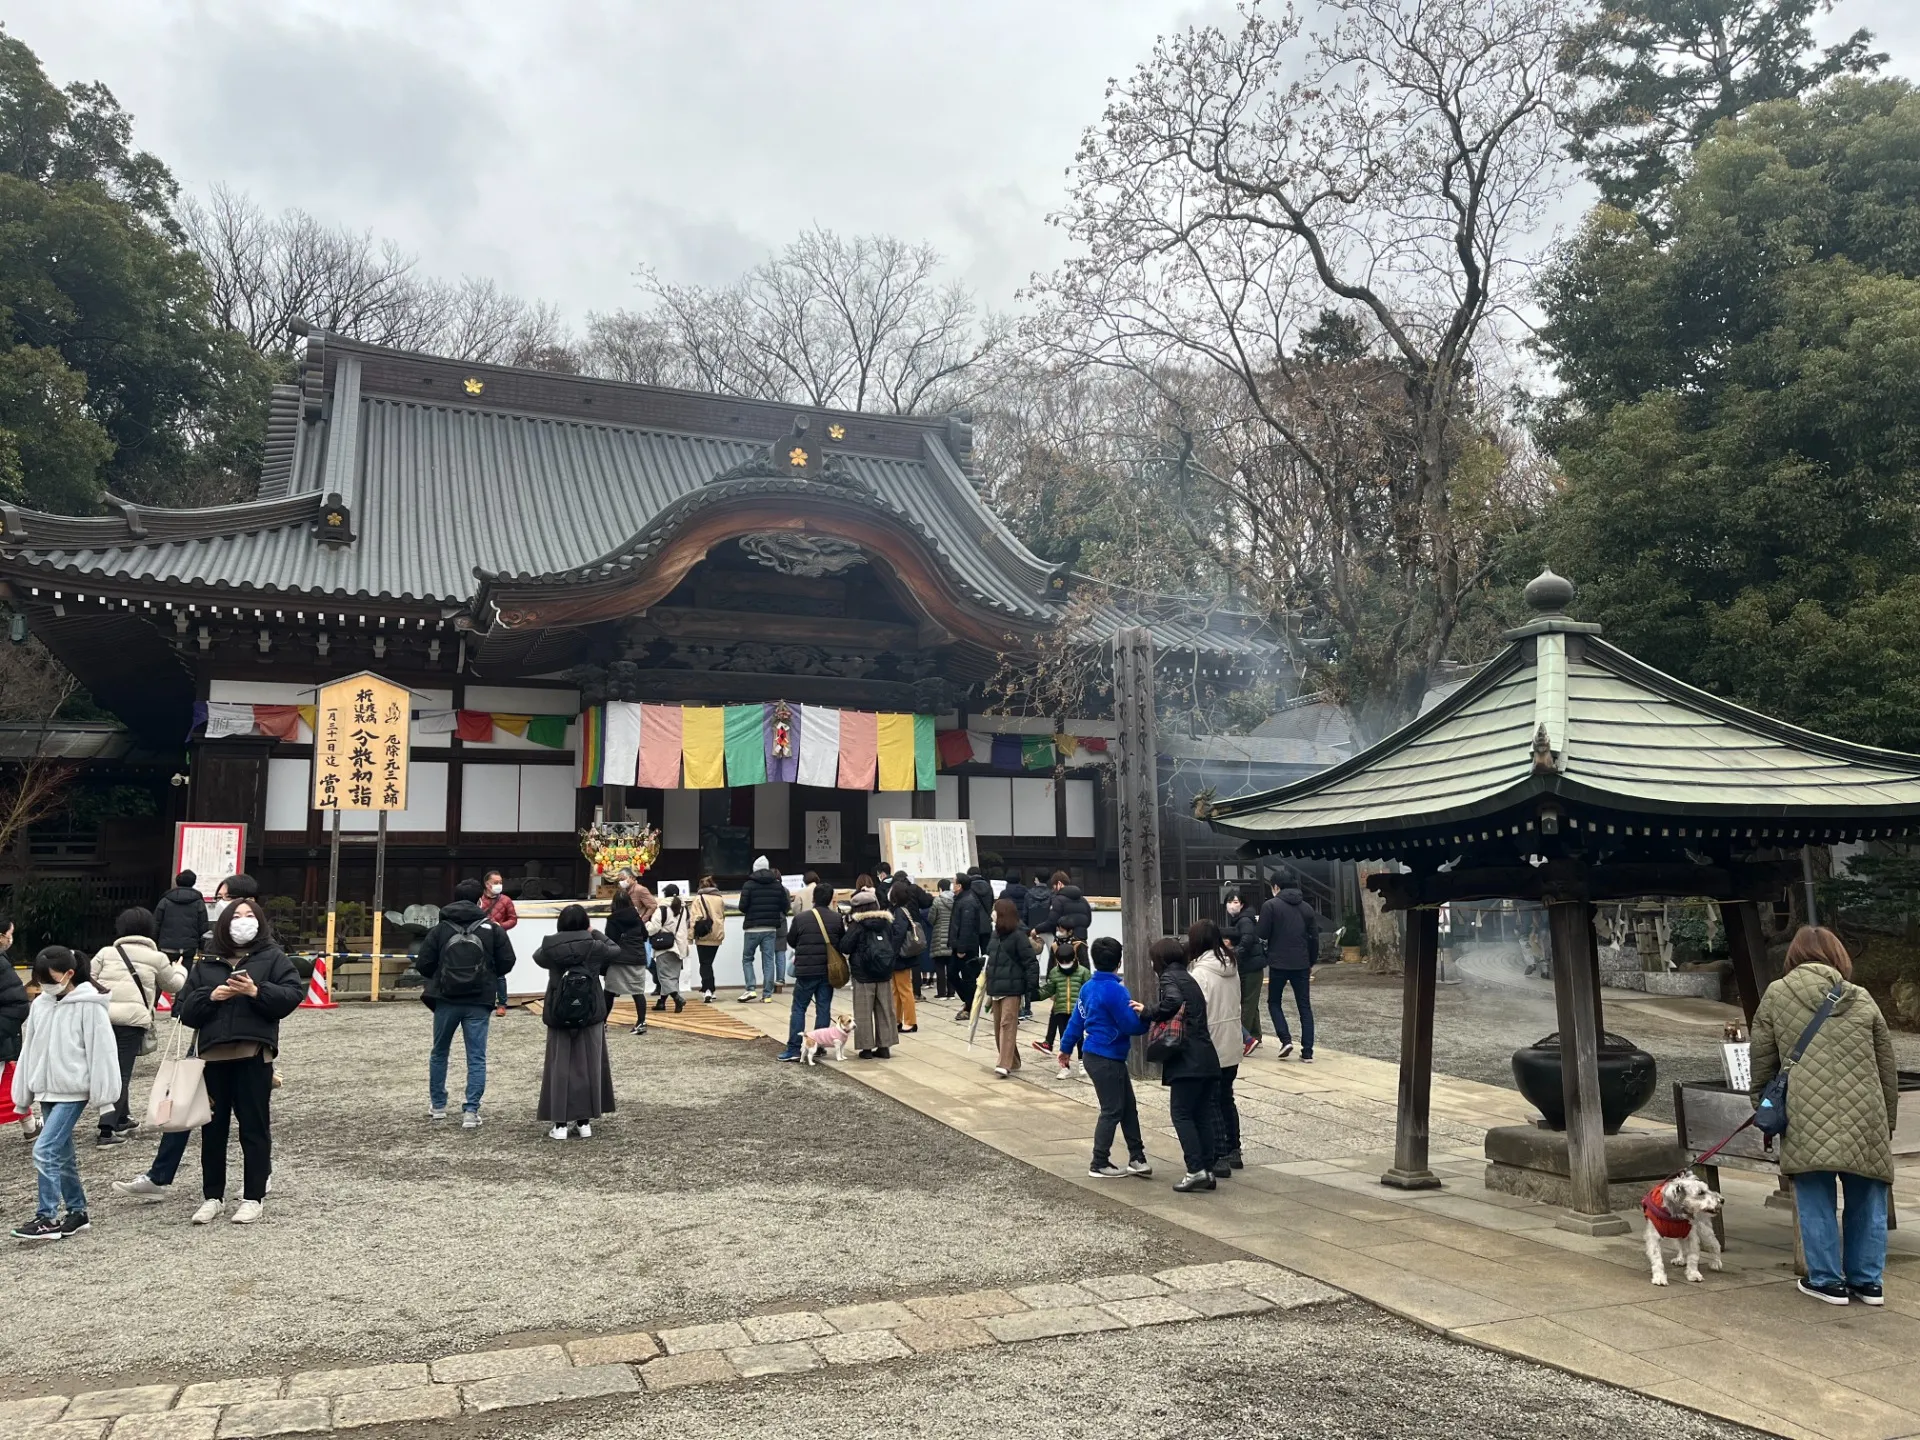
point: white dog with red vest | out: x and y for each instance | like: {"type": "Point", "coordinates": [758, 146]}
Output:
{"type": "Point", "coordinates": [1681, 1210]}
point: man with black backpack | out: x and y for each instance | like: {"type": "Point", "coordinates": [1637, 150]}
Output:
{"type": "Point", "coordinates": [462, 959]}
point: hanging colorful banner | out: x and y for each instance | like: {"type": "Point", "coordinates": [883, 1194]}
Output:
{"type": "Point", "coordinates": [746, 744]}
{"type": "Point", "coordinates": [894, 741]}
{"type": "Point", "coordinates": [659, 747]}
{"type": "Point", "coordinates": [819, 746]}
{"type": "Point", "coordinates": [703, 739]}
{"type": "Point", "coordinates": [859, 749]}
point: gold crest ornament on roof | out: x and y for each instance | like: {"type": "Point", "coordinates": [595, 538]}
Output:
{"type": "Point", "coordinates": [474, 384]}
{"type": "Point", "coordinates": [836, 432]}
{"type": "Point", "coordinates": [797, 458]}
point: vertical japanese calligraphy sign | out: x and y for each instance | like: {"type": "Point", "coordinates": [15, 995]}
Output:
{"type": "Point", "coordinates": [360, 743]}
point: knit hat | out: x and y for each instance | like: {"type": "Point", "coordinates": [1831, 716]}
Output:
{"type": "Point", "coordinates": [864, 897]}
{"type": "Point", "coordinates": [760, 863]}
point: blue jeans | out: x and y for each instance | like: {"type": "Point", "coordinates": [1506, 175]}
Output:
{"type": "Point", "coordinates": [500, 992]}
{"type": "Point", "coordinates": [752, 943]}
{"type": "Point", "coordinates": [471, 1021]}
{"type": "Point", "coordinates": [54, 1158]}
{"type": "Point", "coordinates": [816, 989]}
{"type": "Point", "coordinates": [1859, 1257]}
{"type": "Point", "coordinates": [779, 958]}
{"type": "Point", "coordinates": [1301, 982]}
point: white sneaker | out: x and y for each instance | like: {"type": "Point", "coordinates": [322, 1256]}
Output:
{"type": "Point", "coordinates": [248, 1212]}
{"type": "Point", "coordinates": [470, 1120]}
{"type": "Point", "coordinates": [142, 1189]}
{"type": "Point", "coordinates": [1062, 1073]}
{"type": "Point", "coordinates": [208, 1212]}
{"type": "Point", "coordinates": [559, 1132]}
{"type": "Point", "coordinates": [586, 1131]}
{"type": "Point", "coordinates": [436, 1112]}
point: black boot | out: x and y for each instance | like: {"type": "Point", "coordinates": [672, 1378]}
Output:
{"type": "Point", "coordinates": [661, 1003]}
{"type": "Point", "coordinates": [679, 1004]}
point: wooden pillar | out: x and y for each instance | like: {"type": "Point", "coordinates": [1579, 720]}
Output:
{"type": "Point", "coordinates": [1422, 956]}
{"type": "Point", "coordinates": [1747, 949]}
{"type": "Point", "coordinates": [1137, 784]}
{"type": "Point", "coordinates": [1576, 987]}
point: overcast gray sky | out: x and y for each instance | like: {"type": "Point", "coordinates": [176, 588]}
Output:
{"type": "Point", "coordinates": [557, 145]}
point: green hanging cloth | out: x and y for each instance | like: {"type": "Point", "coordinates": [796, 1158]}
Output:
{"type": "Point", "coordinates": [549, 730]}
{"type": "Point", "coordinates": [1036, 752]}
{"type": "Point", "coordinates": [746, 744]}
{"type": "Point", "coordinates": [925, 761]}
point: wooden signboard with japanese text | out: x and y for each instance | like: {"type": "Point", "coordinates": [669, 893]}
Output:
{"type": "Point", "coordinates": [360, 743]}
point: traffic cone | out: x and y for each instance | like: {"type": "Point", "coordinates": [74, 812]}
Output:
{"type": "Point", "coordinates": [320, 987]}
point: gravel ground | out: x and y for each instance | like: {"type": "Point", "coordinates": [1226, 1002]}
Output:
{"type": "Point", "coordinates": [1332, 1371]}
{"type": "Point", "coordinates": [725, 1184]}
{"type": "Point", "coordinates": [1494, 1010]}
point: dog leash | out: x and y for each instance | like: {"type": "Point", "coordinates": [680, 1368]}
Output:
{"type": "Point", "coordinates": [1706, 1155]}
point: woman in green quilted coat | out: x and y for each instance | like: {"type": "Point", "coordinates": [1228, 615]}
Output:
{"type": "Point", "coordinates": [1841, 1108]}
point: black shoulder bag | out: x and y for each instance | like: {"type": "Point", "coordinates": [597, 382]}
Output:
{"type": "Point", "coordinates": [1770, 1115]}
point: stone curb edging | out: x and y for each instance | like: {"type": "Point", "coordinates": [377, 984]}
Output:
{"type": "Point", "coordinates": [647, 1361]}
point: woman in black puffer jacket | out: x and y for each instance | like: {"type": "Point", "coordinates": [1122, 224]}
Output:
{"type": "Point", "coordinates": [576, 1082]}
{"type": "Point", "coordinates": [235, 998]}
{"type": "Point", "coordinates": [14, 1006]}
{"type": "Point", "coordinates": [1193, 1071]}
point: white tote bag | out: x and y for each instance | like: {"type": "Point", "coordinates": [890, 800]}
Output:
{"type": "Point", "coordinates": [179, 1099]}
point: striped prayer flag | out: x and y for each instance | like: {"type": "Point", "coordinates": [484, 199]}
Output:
{"type": "Point", "coordinates": [593, 746]}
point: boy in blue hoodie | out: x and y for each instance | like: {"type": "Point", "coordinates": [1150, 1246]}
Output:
{"type": "Point", "coordinates": [1105, 1020]}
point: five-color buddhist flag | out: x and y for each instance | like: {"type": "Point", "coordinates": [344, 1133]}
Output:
{"type": "Point", "coordinates": [622, 730]}
{"type": "Point", "coordinates": [859, 749]}
{"type": "Point", "coordinates": [703, 742]}
{"type": "Point", "coordinates": [659, 747]}
{"type": "Point", "coordinates": [819, 746]}
{"type": "Point", "coordinates": [923, 756]}
{"type": "Point", "coordinates": [593, 745]}
{"type": "Point", "coordinates": [746, 744]}
{"type": "Point", "coordinates": [894, 734]}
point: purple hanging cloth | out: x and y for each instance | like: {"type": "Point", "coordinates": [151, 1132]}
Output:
{"type": "Point", "coordinates": [783, 766]}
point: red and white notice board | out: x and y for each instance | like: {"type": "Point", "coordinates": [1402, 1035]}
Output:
{"type": "Point", "coordinates": [212, 850]}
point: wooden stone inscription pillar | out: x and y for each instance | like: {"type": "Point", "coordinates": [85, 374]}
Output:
{"type": "Point", "coordinates": [1576, 995]}
{"type": "Point", "coordinates": [1137, 811]}
{"type": "Point", "coordinates": [1422, 960]}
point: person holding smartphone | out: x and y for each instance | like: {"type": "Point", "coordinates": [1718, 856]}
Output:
{"type": "Point", "coordinates": [235, 998]}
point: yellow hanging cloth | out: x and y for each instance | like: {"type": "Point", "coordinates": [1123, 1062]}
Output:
{"type": "Point", "coordinates": [896, 752]}
{"type": "Point", "coordinates": [703, 741]}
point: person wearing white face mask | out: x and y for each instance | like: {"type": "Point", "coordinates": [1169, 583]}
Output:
{"type": "Point", "coordinates": [235, 999]}
{"type": "Point", "coordinates": [498, 907]}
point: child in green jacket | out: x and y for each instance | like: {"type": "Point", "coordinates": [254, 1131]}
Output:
{"type": "Point", "coordinates": [1065, 975]}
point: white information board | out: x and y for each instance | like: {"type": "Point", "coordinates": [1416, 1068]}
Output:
{"type": "Point", "coordinates": [211, 851]}
{"type": "Point", "coordinates": [929, 849]}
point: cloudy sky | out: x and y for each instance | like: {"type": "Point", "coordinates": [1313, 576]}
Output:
{"type": "Point", "coordinates": [556, 146]}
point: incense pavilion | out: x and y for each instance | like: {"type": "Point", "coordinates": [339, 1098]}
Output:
{"type": "Point", "coordinates": [1567, 772]}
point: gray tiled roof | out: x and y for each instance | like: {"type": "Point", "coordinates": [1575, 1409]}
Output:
{"type": "Point", "coordinates": [534, 478]}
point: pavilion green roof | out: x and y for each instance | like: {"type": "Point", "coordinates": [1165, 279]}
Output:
{"type": "Point", "coordinates": [1563, 722]}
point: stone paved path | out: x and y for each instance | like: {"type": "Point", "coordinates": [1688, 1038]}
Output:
{"type": "Point", "coordinates": [1483, 1267]}
{"type": "Point", "coordinates": [649, 1361]}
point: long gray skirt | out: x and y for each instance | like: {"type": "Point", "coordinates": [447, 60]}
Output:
{"type": "Point", "coordinates": [577, 1081]}
{"type": "Point", "coordinates": [626, 979]}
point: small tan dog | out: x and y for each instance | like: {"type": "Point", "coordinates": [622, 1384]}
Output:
{"type": "Point", "coordinates": [1681, 1210]}
{"type": "Point", "coordinates": [833, 1037]}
